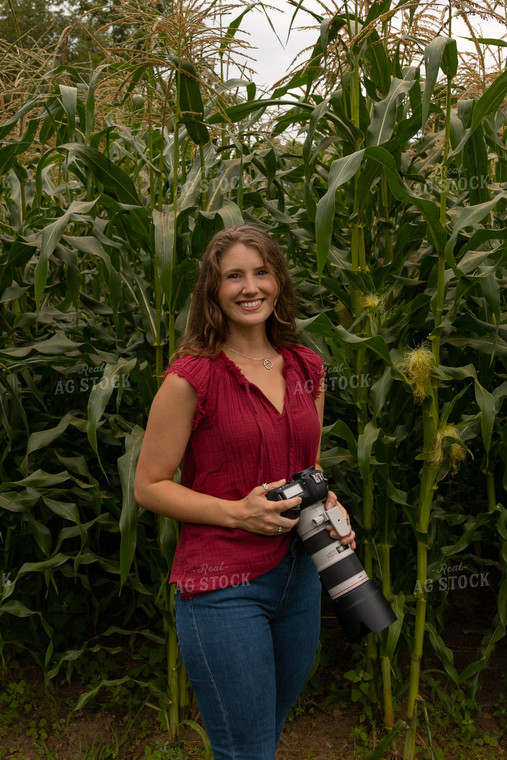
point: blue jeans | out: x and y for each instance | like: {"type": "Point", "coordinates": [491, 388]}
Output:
{"type": "Point", "coordinates": [248, 651]}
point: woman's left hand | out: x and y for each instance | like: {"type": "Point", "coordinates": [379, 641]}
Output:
{"type": "Point", "coordinates": [349, 540]}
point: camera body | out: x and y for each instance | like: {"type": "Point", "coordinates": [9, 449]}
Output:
{"type": "Point", "coordinates": [310, 485]}
{"type": "Point", "coordinates": [359, 605]}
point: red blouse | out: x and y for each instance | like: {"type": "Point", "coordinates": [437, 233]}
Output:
{"type": "Point", "coordinates": [239, 441]}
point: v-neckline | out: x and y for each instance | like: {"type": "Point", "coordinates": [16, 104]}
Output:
{"type": "Point", "coordinates": [246, 381]}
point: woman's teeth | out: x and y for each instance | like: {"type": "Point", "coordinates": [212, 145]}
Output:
{"type": "Point", "coordinates": [249, 304]}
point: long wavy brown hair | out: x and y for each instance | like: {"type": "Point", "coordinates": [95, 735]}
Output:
{"type": "Point", "coordinates": [207, 326]}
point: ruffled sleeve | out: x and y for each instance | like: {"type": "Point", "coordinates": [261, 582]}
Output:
{"type": "Point", "coordinates": [312, 367]}
{"type": "Point", "coordinates": [196, 370]}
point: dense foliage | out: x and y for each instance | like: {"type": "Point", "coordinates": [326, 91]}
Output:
{"type": "Point", "coordinates": [383, 172]}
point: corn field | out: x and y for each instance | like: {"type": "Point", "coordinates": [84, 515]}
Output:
{"type": "Point", "coordinates": [380, 163]}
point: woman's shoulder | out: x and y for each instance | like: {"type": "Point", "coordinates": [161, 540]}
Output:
{"type": "Point", "coordinates": [193, 367]}
{"type": "Point", "coordinates": [196, 370]}
{"type": "Point", "coordinates": [194, 361]}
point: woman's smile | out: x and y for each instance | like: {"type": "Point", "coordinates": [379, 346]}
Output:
{"type": "Point", "coordinates": [250, 305]}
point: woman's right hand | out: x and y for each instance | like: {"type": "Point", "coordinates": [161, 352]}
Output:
{"type": "Point", "coordinates": [257, 514]}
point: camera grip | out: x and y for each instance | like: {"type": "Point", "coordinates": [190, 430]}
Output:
{"type": "Point", "coordinates": [292, 513]}
{"type": "Point", "coordinates": [278, 494]}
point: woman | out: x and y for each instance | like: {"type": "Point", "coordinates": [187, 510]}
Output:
{"type": "Point", "coordinates": [241, 408]}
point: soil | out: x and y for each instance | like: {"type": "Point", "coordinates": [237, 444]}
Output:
{"type": "Point", "coordinates": [325, 724]}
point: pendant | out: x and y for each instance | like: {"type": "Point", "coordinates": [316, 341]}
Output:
{"type": "Point", "coordinates": [268, 364]}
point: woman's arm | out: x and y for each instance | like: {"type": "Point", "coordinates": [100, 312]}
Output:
{"type": "Point", "coordinates": [167, 434]}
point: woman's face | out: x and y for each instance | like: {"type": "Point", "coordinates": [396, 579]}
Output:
{"type": "Point", "coordinates": [248, 288]}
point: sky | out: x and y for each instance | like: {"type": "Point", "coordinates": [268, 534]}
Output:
{"type": "Point", "coordinates": [272, 58]}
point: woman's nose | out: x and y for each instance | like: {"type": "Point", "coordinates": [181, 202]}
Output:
{"type": "Point", "coordinates": [249, 284]}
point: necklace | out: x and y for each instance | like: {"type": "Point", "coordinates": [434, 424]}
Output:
{"type": "Point", "coordinates": [267, 362]}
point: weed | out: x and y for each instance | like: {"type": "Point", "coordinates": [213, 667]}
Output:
{"type": "Point", "coordinates": [164, 750]}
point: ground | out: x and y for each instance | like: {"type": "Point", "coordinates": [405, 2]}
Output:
{"type": "Point", "coordinates": [325, 724]}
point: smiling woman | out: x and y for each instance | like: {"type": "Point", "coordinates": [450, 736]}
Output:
{"type": "Point", "coordinates": [229, 412]}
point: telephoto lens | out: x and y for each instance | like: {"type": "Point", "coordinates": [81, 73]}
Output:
{"type": "Point", "coordinates": [359, 605]}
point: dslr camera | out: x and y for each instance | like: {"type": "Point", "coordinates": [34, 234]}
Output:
{"type": "Point", "coordinates": [359, 605]}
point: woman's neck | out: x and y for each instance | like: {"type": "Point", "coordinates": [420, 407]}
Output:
{"type": "Point", "coordinates": [252, 342]}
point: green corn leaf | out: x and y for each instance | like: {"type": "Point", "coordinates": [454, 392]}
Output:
{"type": "Point", "coordinates": [194, 181]}
{"type": "Point", "coordinates": [436, 55]}
{"type": "Point", "coordinates": [233, 28]}
{"type": "Point", "coordinates": [399, 189]}
{"type": "Point", "coordinates": [376, 54]}
{"type": "Point", "coordinates": [469, 216]}
{"type": "Point", "coordinates": [487, 405]}
{"type": "Point", "coordinates": [38, 479]}
{"type": "Point", "coordinates": [45, 437]}
{"type": "Point", "coordinates": [492, 293]}
{"type": "Point", "coordinates": [443, 652]}
{"type": "Point", "coordinates": [91, 246]}
{"type": "Point", "coordinates": [163, 223]}
{"type": "Point", "coordinates": [66, 510]}
{"type": "Point", "coordinates": [168, 537]}
{"type": "Point", "coordinates": [489, 102]}
{"type": "Point", "coordinates": [476, 167]}
{"type": "Point", "coordinates": [227, 178]}
{"type": "Point", "coordinates": [129, 511]}
{"type": "Point", "coordinates": [9, 125]}
{"type": "Point", "coordinates": [342, 170]}
{"type": "Point", "coordinates": [18, 609]}
{"type": "Point", "coordinates": [90, 101]}
{"type": "Point", "coordinates": [51, 234]}
{"type": "Point", "coordinates": [380, 392]}
{"type": "Point", "coordinates": [100, 394]}
{"type": "Point", "coordinates": [190, 102]}
{"type": "Point", "coordinates": [69, 102]}
{"type": "Point", "coordinates": [364, 448]}
{"type": "Point", "coordinates": [11, 150]}
{"type": "Point", "coordinates": [230, 214]}
{"type": "Point", "coordinates": [342, 430]}
{"type": "Point", "coordinates": [14, 501]}
{"type": "Point", "coordinates": [51, 563]}
{"type": "Point", "coordinates": [395, 629]}
{"type": "Point", "coordinates": [384, 113]}
{"type": "Point", "coordinates": [115, 181]}
{"type": "Point", "coordinates": [141, 294]}
{"type": "Point", "coordinates": [41, 533]}
{"type": "Point", "coordinates": [57, 345]}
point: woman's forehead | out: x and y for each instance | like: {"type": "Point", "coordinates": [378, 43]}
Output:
{"type": "Point", "coordinates": [241, 256]}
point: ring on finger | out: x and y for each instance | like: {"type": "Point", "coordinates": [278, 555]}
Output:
{"type": "Point", "coordinates": [265, 486]}
{"type": "Point", "coordinates": [280, 529]}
